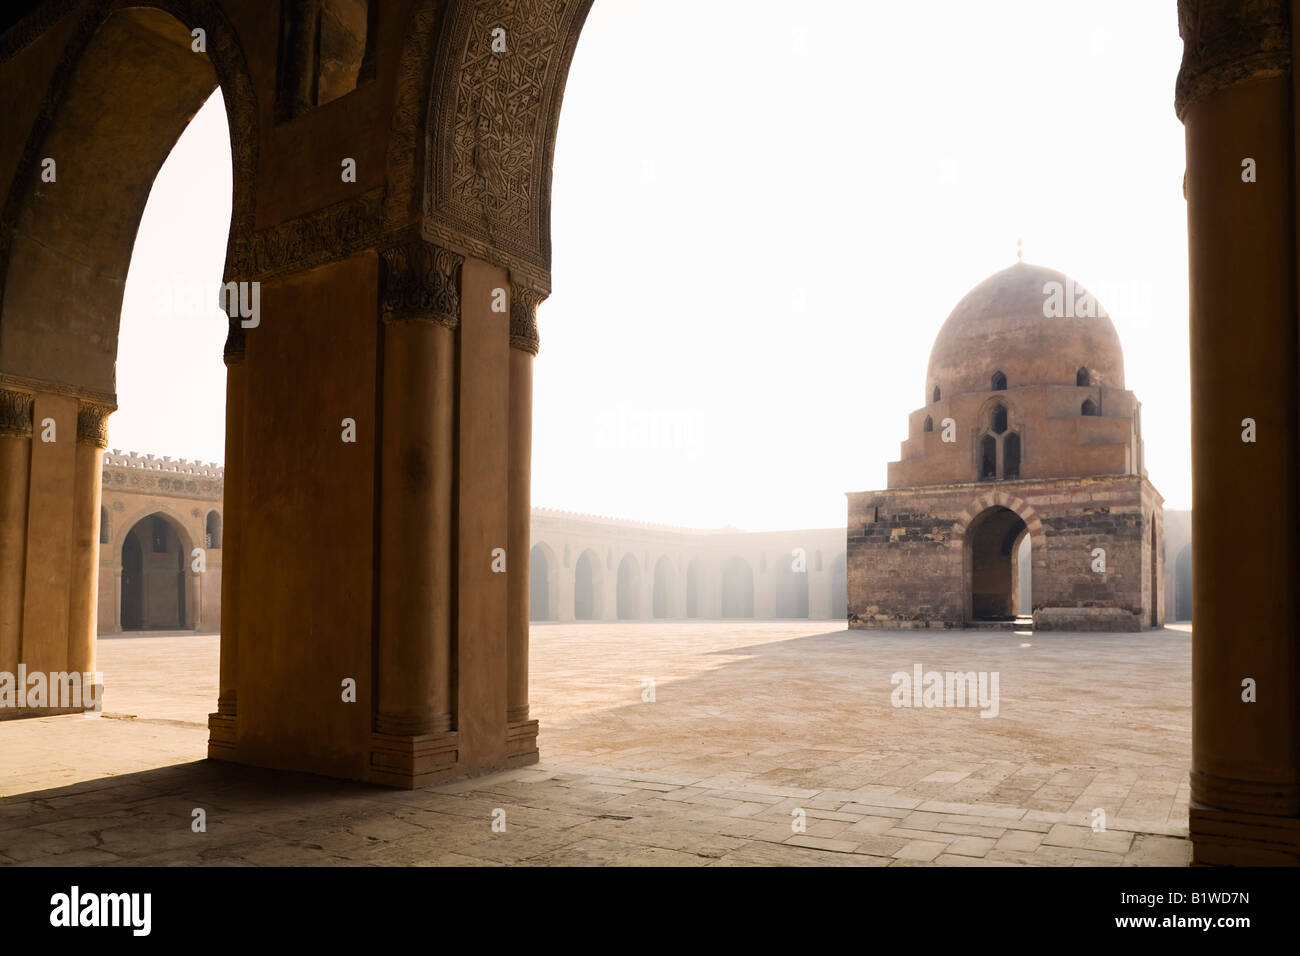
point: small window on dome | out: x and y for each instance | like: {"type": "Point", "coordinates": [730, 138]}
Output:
{"type": "Point", "coordinates": [929, 424]}
{"type": "Point", "coordinates": [1082, 377]}
{"type": "Point", "coordinates": [988, 458]}
{"type": "Point", "coordinates": [936, 393]}
{"type": "Point", "coordinates": [1089, 408]}
{"type": "Point", "coordinates": [999, 382]}
{"type": "Point", "coordinates": [1011, 456]}
{"type": "Point", "coordinates": [998, 419]}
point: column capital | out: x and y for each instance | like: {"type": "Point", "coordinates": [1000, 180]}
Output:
{"type": "Point", "coordinates": [92, 423]}
{"type": "Point", "coordinates": [1226, 42]}
{"type": "Point", "coordinates": [15, 413]}
{"type": "Point", "coordinates": [420, 282]}
{"type": "Point", "coordinates": [233, 353]}
{"type": "Point", "coordinates": [523, 317]}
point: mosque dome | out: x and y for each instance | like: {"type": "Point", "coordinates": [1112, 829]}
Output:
{"type": "Point", "coordinates": [1035, 326]}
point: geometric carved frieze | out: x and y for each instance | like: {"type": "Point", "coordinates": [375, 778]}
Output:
{"type": "Point", "coordinates": [1226, 42]}
{"type": "Point", "coordinates": [420, 282]}
{"type": "Point", "coordinates": [15, 413]}
{"type": "Point", "coordinates": [324, 235]}
{"type": "Point", "coordinates": [491, 132]}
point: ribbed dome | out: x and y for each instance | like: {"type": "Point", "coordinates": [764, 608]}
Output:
{"type": "Point", "coordinates": [1000, 326]}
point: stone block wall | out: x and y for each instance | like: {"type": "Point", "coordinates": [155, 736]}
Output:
{"type": "Point", "coordinates": [907, 565]}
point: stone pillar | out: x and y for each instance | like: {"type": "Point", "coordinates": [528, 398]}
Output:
{"type": "Point", "coordinates": [413, 741]}
{"type": "Point", "coordinates": [15, 465]}
{"type": "Point", "coordinates": [92, 439]}
{"type": "Point", "coordinates": [1235, 98]}
{"type": "Point", "coordinates": [521, 733]}
{"type": "Point", "coordinates": [222, 734]}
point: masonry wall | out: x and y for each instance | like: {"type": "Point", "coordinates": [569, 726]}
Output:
{"type": "Point", "coordinates": [906, 562]}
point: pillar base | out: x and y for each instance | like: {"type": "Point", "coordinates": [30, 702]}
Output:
{"type": "Point", "coordinates": [410, 761]}
{"type": "Point", "coordinates": [1229, 838]}
{"type": "Point", "coordinates": [521, 743]}
{"type": "Point", "coordinates": [221, 736]}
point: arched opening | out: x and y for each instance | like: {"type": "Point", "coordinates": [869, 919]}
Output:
{"type": "Point", "coordinates": [791, 592]}
{"type": "Point", "coordinates": [1082, 377]}
{"type": "Point", "coordinates": [1089, 407]}
{"type": "Point", "coordinates": [692, 590]}
{"type": "Point", "coordinates": [737, 588]}
{"type": "Point", "coordinates": [1011, 456]}
{"type": "Point", "coordinates": [998, 419]}
{"type": "Point", "coordinates": [586, 587]}
{"type": "Point", "coordinates": [212, 527]}
{"type": "Point", "coordinates": [1025, 576]}
{"type": "Point", "coordinates": [539, 585]}
{"type": "Point", "coordinates": [988, 458]}
{"type": "Point", "coordinates": [1155, 575]}
{"type": "Point", "coordinates": [1183, 584]}
{"type": "Point", "coordinates": [153, 576]}
{"type": "Point", "coordinates": [999, 382]}
{"type": "Point", "coordinates": [629, 589]}
{"type": "Point", "coordinates": [935, 394]}
{"type": "Point", "coordinates": [839, 588]}
{"type": "Point", "coordinates": [663, 584]}
{"type": "Point", "coordinates": [991, 544]}
{"type": "Point", "coordinates": [929, 424]}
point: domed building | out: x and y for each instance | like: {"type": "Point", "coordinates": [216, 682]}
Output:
{"type": "Point", "coordinates": [1021, 490]}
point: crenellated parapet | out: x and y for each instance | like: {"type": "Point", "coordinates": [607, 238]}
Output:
{"type": "Point", "coordinates": [150, 474]}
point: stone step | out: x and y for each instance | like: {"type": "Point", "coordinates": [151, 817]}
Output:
{"type": "Point", "coordinates": [1023, 623]}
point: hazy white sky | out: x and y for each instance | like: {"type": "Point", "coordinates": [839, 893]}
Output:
{"type": "Point", "coordinates": [760, 221]}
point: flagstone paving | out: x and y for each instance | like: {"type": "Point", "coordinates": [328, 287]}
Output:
{"type": "Point", "coordinates": [758, 743]}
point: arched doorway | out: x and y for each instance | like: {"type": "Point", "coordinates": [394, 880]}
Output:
{"type": "Point", "coordinates": [539, 605]}
{"type": "Point", "coordinates": [737, 588]}
{"type": "Point", "coordinates": [663, 588]}
{"type": "Point", "coordinates": [791, 592]}
{"type": "Point", "coordinates": [586, 587]}
{"type": "Point", "coordinates": [1183, 584]}
{"type": "Point", "coordinates": [839, 588]}
{"type": "Point", "coordinates": [629, 589]}
{"type": "Point", "coordinates": [154, 554]}
{"type": "Point", "coordinates": [692, 590]}
{"type": "Point", "coordinates": [991, 552]}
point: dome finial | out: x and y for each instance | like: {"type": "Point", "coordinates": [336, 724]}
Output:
{"type": "Point", "coordinates": [1020, 252]}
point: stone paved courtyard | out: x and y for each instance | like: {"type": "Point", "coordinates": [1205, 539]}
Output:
{"type": "Point", "coordinates": [750, 722]}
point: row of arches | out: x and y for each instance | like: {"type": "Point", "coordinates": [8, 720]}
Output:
{"type": "Point", "coordinates": [703, 590]}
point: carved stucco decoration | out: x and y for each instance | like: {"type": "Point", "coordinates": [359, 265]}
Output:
{"type": "Point", "coordinates": [92, 423]}
{"type": "Point", "coordinates": [1226, 42]}
{"type": "Point", "coordinates": [421, 283]}
{"type": "Point", "coordinates": [15, 413]}
{"type": "Point", "coordinates": [523, 318]}
{"type": "Point", "coordinates": [224, 52]}
{"type": "Point", "coordinates": [491, 129]}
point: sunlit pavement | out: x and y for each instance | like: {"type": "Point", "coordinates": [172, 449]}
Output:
{"type": "Point", "coordinates": [678, 743]}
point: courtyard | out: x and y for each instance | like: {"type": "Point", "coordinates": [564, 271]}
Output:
{"type": "Point", "coordinates": [690, 743]}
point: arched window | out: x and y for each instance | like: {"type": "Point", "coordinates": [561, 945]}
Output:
{"type": "Point", "coordinates": [213, 530]}
{"type": "Point", "coordinates": [999, 382]}
{"type": "Point", "coordinates": [988, 458]}
{"type": "Point", "coordinates": [1089, 407]}
{"type": "Point", "coordinates": [1082, 377]}
{"type": "Point", "coordinates": [936, 393]}
{"type": "Point", "coordinates": [998, 419]}
{"type": "Point", "coordinates": [929, 424]}
{"type": "Point", "coordinates": [1011, 456]}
